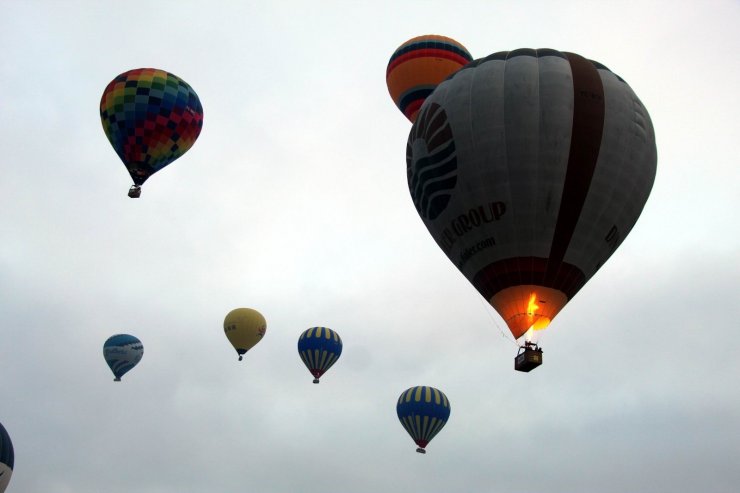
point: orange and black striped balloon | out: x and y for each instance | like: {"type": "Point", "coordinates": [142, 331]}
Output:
{"type": "Point", "coordinates": [418, 66]}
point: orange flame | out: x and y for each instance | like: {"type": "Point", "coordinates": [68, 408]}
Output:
{"type": "Point", "coordinates": [532, 306]}
{"type": "Point", "coordinates": [538, 322]}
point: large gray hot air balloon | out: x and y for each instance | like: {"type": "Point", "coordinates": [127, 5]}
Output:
{"type": "Point", "coordinates": [529, 168]}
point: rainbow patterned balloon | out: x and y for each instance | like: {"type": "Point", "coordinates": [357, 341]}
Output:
{"type": "Point", "coordinates": [151, 117]}
{"type": "Point", "coordinates": [418, 66]}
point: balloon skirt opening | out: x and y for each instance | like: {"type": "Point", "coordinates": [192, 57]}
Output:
{"type": "Point", "coordinates": [528, 305]}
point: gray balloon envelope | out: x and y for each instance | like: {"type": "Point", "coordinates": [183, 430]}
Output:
{"type": "Point", "coordinates": [529, 168]}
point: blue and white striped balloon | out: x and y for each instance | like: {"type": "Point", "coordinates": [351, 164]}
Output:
{"type": "Point", "coordinates": [122, 352]}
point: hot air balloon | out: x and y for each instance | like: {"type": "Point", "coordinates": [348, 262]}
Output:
{"type": "Point", "coordinates": [244, 328]}
{"type": "Point", "coordinates": [122, 352]}
{"type": "Point", "coordinates": [319, 348]}
{"type": "Point", "coordinates": [151, 117]}
{"type": "Point", "coordinates": [7, 458]}
{"type": "Point", "coordinates": [418, 66]}
{"type": "Point", "coordinates": [529, 168]}
{"type": "Point", "coordinates": [423, 412]}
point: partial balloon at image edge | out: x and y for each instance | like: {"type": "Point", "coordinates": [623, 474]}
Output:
{"type": "Point", "coordinates": [7, 458]}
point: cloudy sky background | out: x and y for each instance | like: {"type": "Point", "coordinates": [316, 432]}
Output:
{"type": "Point", "coordinates": [294, 201]}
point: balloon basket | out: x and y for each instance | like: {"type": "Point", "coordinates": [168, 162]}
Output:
{"type": "Point", "coordinates": [528, 358]}
{"type": "Point", "coordinates": [134, 192]}
{"type": "Point", "coordinates": [315, 380]}
{"type": "Point", "coordinates": [421, 450]}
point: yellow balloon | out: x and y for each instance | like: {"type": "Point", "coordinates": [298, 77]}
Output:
{"type": "Point", "coordinates": [244, 328]}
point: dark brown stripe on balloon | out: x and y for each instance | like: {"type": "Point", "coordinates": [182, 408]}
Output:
{"type": "Point", "coordinates": [585, 142]}
{"type": "Point", "coordinates": [512, 272]}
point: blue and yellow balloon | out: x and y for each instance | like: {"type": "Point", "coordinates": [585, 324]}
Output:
{"type": "Point", "coordinates": [423, 412]}
{"type": "Point", "coordinates": [122, 352]}
{"type": "Point", "coordinates": [319, 348]}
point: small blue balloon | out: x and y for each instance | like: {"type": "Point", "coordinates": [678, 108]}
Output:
{"type": "Point", "coordinates": [122, 352]}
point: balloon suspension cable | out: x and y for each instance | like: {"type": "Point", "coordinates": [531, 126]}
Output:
{"type": "Point", "coordinates": [421, 450]}
{"type": "Point", "coordinates": [315, 380]}
{"type": "Point", "coordinates": [503, 334]}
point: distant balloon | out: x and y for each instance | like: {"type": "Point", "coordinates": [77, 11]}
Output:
{"type": "Point", "coordinates": [423, 412]}
{"type": "Point", "coordinates": [151, 117]}
{"type": "Point", "coordinates": [244, 328]}
{"type": "Point", "coordinates": [122, 352]}
{"type": "Point", "coordinates": [7, 458]}
{"type": "Point", "coordinates": [418, 66]}
{"type": "Point", "coordinates": [319, 348]}
{"type": "Point", "coordinates": [529, 168]}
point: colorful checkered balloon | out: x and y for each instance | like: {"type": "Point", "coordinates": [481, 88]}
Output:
{"type": "Point", "coordinates": [151, 117]}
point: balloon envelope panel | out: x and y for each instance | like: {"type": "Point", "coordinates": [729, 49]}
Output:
{"type": "Point", "coordinates": [122, 352]}
{"type": "Point", "coordinates": [529, 168]}
{"type": "Point", "coordinates": [319, 348]}
{"type": "Point", "coordinates": [423, 412]}
{"type": "Point", "coordinates": [418, 66]}
{"type": "Point", "coordinates": [151, 117]}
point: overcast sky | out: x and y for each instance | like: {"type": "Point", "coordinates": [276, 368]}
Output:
{"type": "Point", "coordinates": [294, 202]}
